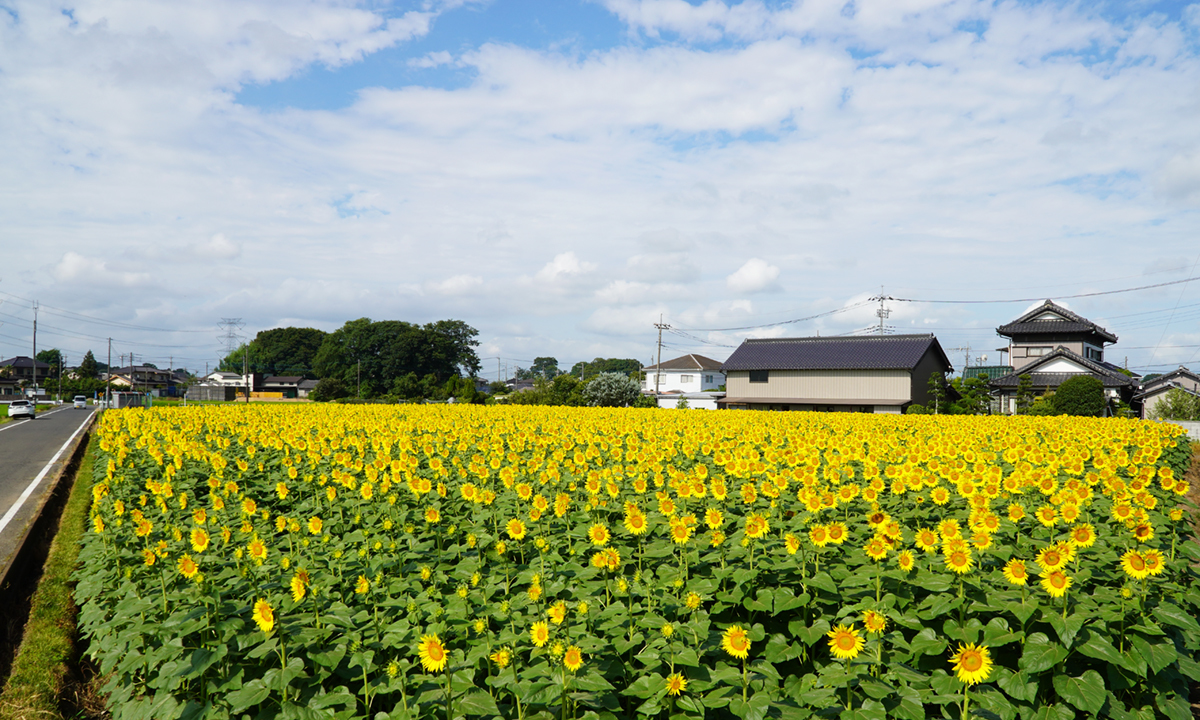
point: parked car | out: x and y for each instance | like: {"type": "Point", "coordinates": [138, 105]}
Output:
{"type": "Point", "coordinates": [81, 401]}
{"type": "Point", "coordinates": [22, 408]}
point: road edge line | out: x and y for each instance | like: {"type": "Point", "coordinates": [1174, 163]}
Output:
{"type": "Point", "coordinates": [12, 511]}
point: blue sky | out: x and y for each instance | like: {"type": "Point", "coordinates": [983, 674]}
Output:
{"type": "Point", "coordinates": [561, 175]}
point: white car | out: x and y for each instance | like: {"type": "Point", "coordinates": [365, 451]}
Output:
{"type": "Point", "coordinates": [22, 408]}
{"type": "Point", "coordinates": [80, 401]}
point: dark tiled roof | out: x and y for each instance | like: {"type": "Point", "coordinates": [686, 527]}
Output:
{"type": "Point", "coordinates": [284, 379]}
{"type": "Point", "coordinates": [1182, 372]}
{"type": "Point", "coordinates": [1110, 378]}
{"type": "Point", "coordinates": [688, 362]}
{"type": "Point", "coordinates": [871, 352]}
{"type": "Point", "coordinates": [21, 361]}
{"type": "Point", "coordinates": [1072, 323]}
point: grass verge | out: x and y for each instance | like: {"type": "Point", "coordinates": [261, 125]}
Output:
{"type": "Point", "coordinates": [47, 650]}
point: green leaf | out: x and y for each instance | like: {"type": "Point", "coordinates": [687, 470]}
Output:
{"type": "Point", "coordinates": [687, 656]}
{"type": "Point", "coordinates": [1018, 687]}
{"type": "Point", "coordinates": [810, 635]}
{"type": "Point", "coordinates": [876, 688]}
{"type": "Point", "coordinates": [477, 703]}
{"type": "Point", "coordinates": [1054, 712]}
{"type": "Point", "coordinates": [252, 693]}
{"type": "Point", "coordinates": [778, 649]}
{"type": "Point", "coordinates": [927, 642]}
{"type": "Point", "coordinates": [1173, 615]}
{"type": "Point", "coordinates": [997, 633]}
{"type": "Point", "coordinates": [340, 696]}
{"type": "Point", "coordinates": [1022, 611]}
{"type": "Point", "coordinates": [1040, 654]}
{"type": "Point", "coordinates": [753, 709]}
{"type": "Point", "coordinates": [910, 706]}
{"type": "Point", "coordinates": [1174, 706]}
{"type": "Point", "coordinates": [1157, 655]}
{"type": "Point", "coordinates": [822, 581]}
{"type": "Point", "coordinates": [1067, 629]}
{"type": "Point", "coordinates": [329, 658]}
{"type": "Point", "coordinates": [1085, 692]}
{"type": "Point", "coordinates": [645, 685]}
{"type": "Point", "coordinates": [1097, 646]}
{"type": "Point", "coordinates": [940, 605]}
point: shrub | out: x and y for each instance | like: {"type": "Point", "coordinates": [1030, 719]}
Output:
{"type": "Point", "coordinates": [612, 389]}
{"type": "Point", "coordinates": [329, 389]}
{"type": "Point", "coordinates": [1082, 395]}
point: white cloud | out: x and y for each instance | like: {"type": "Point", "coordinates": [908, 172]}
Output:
{"type": "Point", "coordinates": [564, 265]}
{"type": "Point", "coordinates": [432, 60]}
{"type": "Point", "coordinates": [755, 276]}
{"type": "Point", "coordinates": [457, 285]}
{"type": "Point", "coordinates": [84, 271]}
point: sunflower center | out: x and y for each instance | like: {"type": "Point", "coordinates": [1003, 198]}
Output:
{"type": "Point", "coordinates": [435, 652]}
{"type": "Point", "coordinates": [1137, 563]}
{"type": "Point", "coordinates": [971, 662]}
{"type": "Point", "coordinates": [1058, 580]}
{"type": "Point", "coordinates": [845, 642]}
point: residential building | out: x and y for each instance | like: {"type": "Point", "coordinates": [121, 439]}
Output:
{"type": "Point", "coordinates": [1052, 344]}
{"type": "Point", "coordinates": [875, 373]}
{"type": "Point", "coordinates": [687, 374]}
{"type": "Point", "coordinates": [1154, 391]}
{"type": "Point", "coordinates": [25, 369]}
{"type": "Point", "coordinates": [695, 400]}
{"type": "Point", "coordinates": [1040, 331]}
{"type": "Point", "coordinates": [305, 387]}
{"type": "Point", "coordinates": [288, 385]}
{"type": "Point", "coordinates": [147, 378]}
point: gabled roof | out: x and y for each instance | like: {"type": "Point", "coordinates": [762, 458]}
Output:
{"type": "Point", "coordinates": [869, 352]}
{"type": "Point", "coordinates": [1174, 375]}
{"type": "Point", "coordinates": [23, 361]}
{"type": "Point", "coordinates": [1068, 322]}
{"type": "Point", "coordinates": [292, 379]}
{"type": "Point", "coordinates": [1110, 378]}
{"type": "Point", "coordinates": [687, 362]}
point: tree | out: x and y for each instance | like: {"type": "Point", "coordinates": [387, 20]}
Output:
{"type": "Point", "coordinates": [287, 351]}
{"type": "Point", "coordinates": [612, 389]}
{"type": "Point", "coordinates": [1024, 393]}
{"type": "Point", "coordinates": [1081, 395]}
{"type": "Point", "coordinates": [974, 398]}
{"type": "Point", "coordinates": [329, 389]}
{"type": "Point", "coordinates": [87, 367]}
{"type": "Point", "coordinates": [682, 403]}
{"type": "Point", "coordinates": [53, 358]}
{"type": "Point", "coordinates": [624, 366]}
{"type": "Point", "coordinates": [1177, 404]}
{"type": "Point", "coordinates": [378, 353]}
{"type": "Point", "coordinates": [546, 367]}
{"type": "Point", "coordinates": [937, 393]}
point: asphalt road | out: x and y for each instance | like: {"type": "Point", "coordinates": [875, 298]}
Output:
{"type": "Point", "coordinates": [27, 450]}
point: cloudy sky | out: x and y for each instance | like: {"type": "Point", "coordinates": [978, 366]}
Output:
{"type": "Point", "coordinates": [561, 174]}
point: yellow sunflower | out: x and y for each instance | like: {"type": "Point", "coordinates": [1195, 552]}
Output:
{"type": "Point", "coordinates": [845, 642]}
{"type": "Point", "coordinates": [926, 540]}
{"type": "Point", "coordinates": [1083, 536]}
{"type": "Point", "coordinates": [188, 567]}
{"type": "Point", "coordinates": [432, 653]}
{"type": "Point", "coordinates": [874, 622]}
{"type": "Point", "coordinates": [791, 543]}
{"type": "Point", "coordinates": [972, 663]}
{"type": "Point", "coordinates": [736, 642]}
{"type": "Point", "coordinates": [876, 548]}
{"type": "Point", "coordinates": [539, 633]}
{"type": "Point", "coordinates": [502, 657]}
{"type": "Point", "coordinates": [635, 522]}
{"type": "Point", "coordinates": [959, 560]}
{"type": "Point", "coordinates": [837, 533]}
{"type": "Point", "coordinates": [573, 658]}
{"type": "Point", "coordinates": [515, 529]}
{"type": "Point", "coordinates": [599, 535]}
{"type": "Point", "coordinates": [1015, 572]}
{"type": "Point", "coordinates": [1154, 562]}
{"type": "Point", "coordinates": [757, 526]}
{"type": "Point", "coordinates": [819, 535]}
{"type": "Point", "coordinates": [1134, 565]}
{"type": "Point", "coordinates": [1051, 558]}
{"type": "Point", "coordinates": [264, 616]}
{"type": "Point", "coordinates": [676, 684]}
{"type": "Point", "coordinates": [1056, 583]}
{"type": "Point", "coordinates": [905, 560]}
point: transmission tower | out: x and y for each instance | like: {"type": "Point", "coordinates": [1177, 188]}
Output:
{"type": "Point", "coordinates": [232, 338]}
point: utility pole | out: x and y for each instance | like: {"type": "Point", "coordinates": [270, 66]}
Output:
{"type": "Point", "coordinates": [34, 358]}
{"type": "Point", "coordinates": [358, 374]}
{"type": "Point", "coordinates": [60, 364]}
{"type": "Point", "coordinates": [882, 313]}
{"type": "Point", "coordinates": [108, 376]}
{"type": "Point", "coordinates": [246, 369]}
{"type": "Point", "coordinates": [658, 366]}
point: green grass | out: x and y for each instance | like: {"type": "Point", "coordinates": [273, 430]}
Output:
{"type": "Point", "coordinates": [35, 683]}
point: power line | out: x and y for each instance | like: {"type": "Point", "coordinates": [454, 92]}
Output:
{"type": "Point", "coordinates": [1035, 299]}
{"type": "Point", "coordinates": [114, 323]}
{"type": "Point", "coordinates": [788, 322]}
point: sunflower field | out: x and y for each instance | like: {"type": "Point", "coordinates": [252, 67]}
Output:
{"type": "Point", "coordinates": [441, 562]}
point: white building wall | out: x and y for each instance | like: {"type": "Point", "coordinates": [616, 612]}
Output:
{"type": "Point", "coordinates": [683, 381]}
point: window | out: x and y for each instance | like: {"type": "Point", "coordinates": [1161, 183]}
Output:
{"type": "Point", "coordinates": [1036, 351]}
{"type": "Point", "coordinates": [759, 376]}
{"type": "Point", "coordinates": [1092, 353]}
{"type": "Point", "coordinates": [686, 378]}
{"type": "Point", "coordinates": [708, 378]}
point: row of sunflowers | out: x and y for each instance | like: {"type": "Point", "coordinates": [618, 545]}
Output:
{"type": "Point", "coordinates": [404, 562]}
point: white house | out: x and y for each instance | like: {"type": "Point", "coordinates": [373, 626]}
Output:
{"type": "Point", "coordinates": [687, 374]}
{"type": "Point", "coordinates": [225, 379]}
